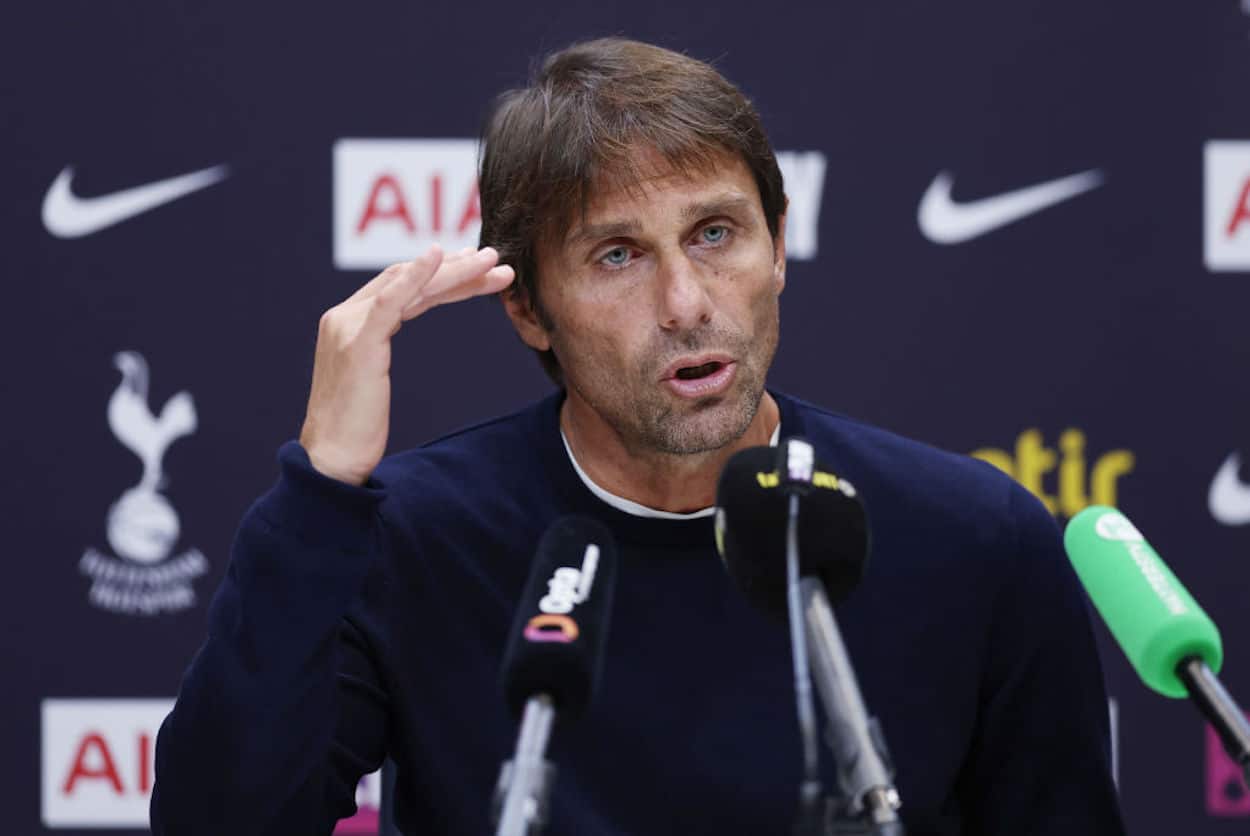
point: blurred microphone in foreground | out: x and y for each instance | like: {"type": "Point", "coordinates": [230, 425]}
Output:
{"type": "Point", "coordinates": [553, 658]}
{"type": "Point", "coordinates": [786, 528]}
{"type": "Point", "coordinates": [1170, 641]}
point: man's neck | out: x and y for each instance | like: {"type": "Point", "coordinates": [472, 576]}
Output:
{"type": "Point", "coordinates": [663, 481]}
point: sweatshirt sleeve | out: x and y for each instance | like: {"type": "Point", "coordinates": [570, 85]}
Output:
{"type": "Point", "coordinates": [281, 710]}
{"type": "Point", "coordinates": [1040, 763]}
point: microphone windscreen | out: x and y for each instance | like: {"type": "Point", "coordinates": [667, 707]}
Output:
{"type": "Point", "coordinates": [751, 520]}
{"type": "Point", "coordinates": [1153, 618]}
{"type": "Point", "coordinates": [561, 625]}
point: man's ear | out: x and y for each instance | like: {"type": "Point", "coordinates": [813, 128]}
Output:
{"type": "Point", "coordinates": [779, 251]}
{"type": "Point", "coordinates": [525, 320]}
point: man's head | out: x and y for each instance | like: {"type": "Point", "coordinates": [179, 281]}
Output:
{"type": "Point", "coordinates": [628, 148]}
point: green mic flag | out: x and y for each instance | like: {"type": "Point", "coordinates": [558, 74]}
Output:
{"type": "Point", "coordinates": [1155, 621]}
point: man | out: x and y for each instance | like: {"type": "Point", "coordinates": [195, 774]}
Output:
{"type": "Point", "coordinates": [634, 197]}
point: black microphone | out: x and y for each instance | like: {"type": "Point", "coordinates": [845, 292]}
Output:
{"type": "Point", "coordinates": [752, 518]}
{"type": "Point", "coordinates": [751, 521]}
{"type": "Point", "coordinates": [553, 658]}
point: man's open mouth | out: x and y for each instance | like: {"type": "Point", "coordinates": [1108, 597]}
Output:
{"type": "Point", "coordinates": [696, 372]}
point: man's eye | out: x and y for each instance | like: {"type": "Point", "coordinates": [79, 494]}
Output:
{"type": "Point", "coordinates": [715, 234]}
{"type": "Point", "coordinates": [616, 257]}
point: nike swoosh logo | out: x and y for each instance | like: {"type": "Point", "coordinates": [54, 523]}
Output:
{"type": "Point", "coordinates": [1229, 499]}
{"type": "Point", "coordinates": [943, 221]}
{"type": "Point", "coordinates": [66, 215]}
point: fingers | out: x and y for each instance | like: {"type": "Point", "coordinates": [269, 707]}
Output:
{"type": "Point", "coordinates": [480, 284]}
{"type": "Point", "coordinates": [460, 270]}
{"type": "Point", "coordinates": [371, 287]}
{"type": "Point", "coordinates": [413, 276]}
{"type": "Point", "coordinates": [381, 280]}
{"type": "Point", "coordinates": [408, 289]}
{"type": "Point", "coordinates": [444, 285]}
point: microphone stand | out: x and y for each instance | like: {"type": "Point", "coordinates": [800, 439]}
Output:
{"type": "Point", "coordinates": [525, 781]}
{"type": "Point", "coordinates": [1219, 708]}
{"type": "Point", "coordinates": [867, 802]}
{"type": "Point", "coordinates": [810, 820]}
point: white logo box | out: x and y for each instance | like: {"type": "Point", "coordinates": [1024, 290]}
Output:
{"type": "Point", "coordinates": [98, 760]}
{"type": "Point", "coordinates": [393, 198]}
{"type": "Point", "coordinates": [91, 747]}
{"type": "Point", "coordinates": [1226, 205]}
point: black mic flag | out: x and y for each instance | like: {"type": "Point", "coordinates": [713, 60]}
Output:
{"type": "Point", "coordinates": [561, 624]}
{"type": "Point", "coordinates": [751, 530]}
{"type": "Point", "coordinates": [553, 658]}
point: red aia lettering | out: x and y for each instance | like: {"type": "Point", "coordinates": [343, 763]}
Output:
{"type": "Point", "coordinates": [472, 210]}
{"type": "Point", "coordinates": [80, 769]}
{"type": "Point", "coordinates": [436, 204]}
{"type": "Point", "coordinates": [397, 208]}
{"type": "Point", "coordinates": [145, 763]}
{"type": "Point", "coordinates": [387, 202]}
{"type": "Point", "coordinates": [1241, 212]}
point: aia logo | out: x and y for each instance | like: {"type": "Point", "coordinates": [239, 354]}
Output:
{"type": "Point", "coordinates": [1226, 198]}
{"type": "Point", "coordinates": [393, 198]}
{"type": "Point", "coordinates": [98, 757]}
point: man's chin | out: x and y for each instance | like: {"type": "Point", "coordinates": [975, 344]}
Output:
{"type": "Point", "coordinates": [707, 424]}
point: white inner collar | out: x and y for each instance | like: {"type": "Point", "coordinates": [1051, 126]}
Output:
{"type": "Point", "coordinates": [635, 508]}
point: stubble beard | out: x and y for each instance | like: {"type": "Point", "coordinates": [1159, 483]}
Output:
{"type": "Point", "coordinates": [706, 425]}
{"type": "Point", "coordinates": [649, 422]}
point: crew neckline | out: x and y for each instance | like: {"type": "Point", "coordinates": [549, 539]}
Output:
{"type": "Point", "coordinates": [637, 509]}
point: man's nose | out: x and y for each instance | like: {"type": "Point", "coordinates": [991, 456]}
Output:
{"type": "Point", "coordinates": [685, 302]}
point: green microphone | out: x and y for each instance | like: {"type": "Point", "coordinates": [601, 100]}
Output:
{"type": "Point", "coordinates": [1150, 614]}
{"type": "Point", "coordinates": [1169, 640]}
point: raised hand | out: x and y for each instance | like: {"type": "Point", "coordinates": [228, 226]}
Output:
{"type": "Point", "coordinates": [348, 418]}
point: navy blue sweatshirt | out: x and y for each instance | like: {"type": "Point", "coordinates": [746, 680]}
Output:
{"type": "Point", "coordinates": [356, 623]}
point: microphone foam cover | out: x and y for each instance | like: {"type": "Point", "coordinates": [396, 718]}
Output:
{"type": "Point", "coordinates": [751, 520]}
{"type": "Point", "coordinates": [1153, 618]}
{"type": "Point", "coordinates": [557, 639]}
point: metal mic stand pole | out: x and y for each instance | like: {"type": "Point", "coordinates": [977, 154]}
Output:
{"type": "Point", "coordinates": [525, 781]}
{"type": "Point", "coordinates": [867, 802]}
{"type": "Point", "coordinates": [1221, 711]}
{"type": "Point", "coordinates": [809, 821]}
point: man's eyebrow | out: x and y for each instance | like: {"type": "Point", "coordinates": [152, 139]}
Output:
{"type": "Point", "coordinates": [612, 229]}
{"type": "Point", "coordinates": [717, 206]}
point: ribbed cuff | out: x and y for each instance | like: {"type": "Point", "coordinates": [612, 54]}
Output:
{"type": "Point", "coordinates": [316, 509]}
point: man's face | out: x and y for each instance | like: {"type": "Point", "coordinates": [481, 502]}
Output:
{"type": "Point", "coordinates": [663, 302]}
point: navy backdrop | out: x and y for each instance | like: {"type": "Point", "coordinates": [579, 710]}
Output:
{"type": "Point", "coordinates": [161, 339]}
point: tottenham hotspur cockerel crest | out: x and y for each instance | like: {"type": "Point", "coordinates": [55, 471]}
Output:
{"type": "Point", "coordinates": [141, 578]}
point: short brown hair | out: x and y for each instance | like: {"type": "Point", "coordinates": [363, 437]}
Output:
{"type": "Point", "coordinates": [586, 112]}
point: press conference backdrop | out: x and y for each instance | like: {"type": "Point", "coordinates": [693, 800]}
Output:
{"type": "Point", "coordinates": [1020, 229]}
